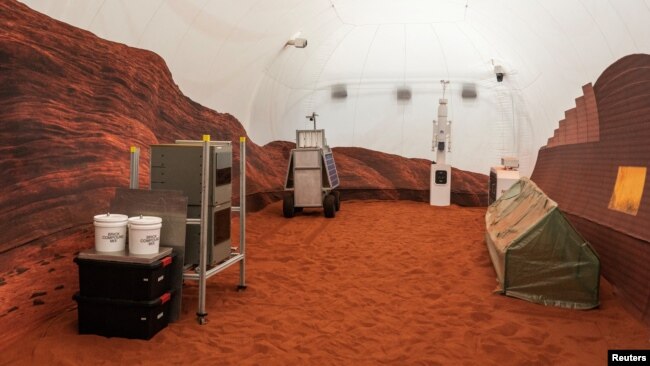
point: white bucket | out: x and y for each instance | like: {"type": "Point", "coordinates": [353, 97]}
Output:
{"type": "Point", "coordinates": [110, 232]}
{"type": "Point", "coordinates": [144, 234]}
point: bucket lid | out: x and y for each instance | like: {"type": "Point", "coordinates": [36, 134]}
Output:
{"type": "Point", "coordinates": [109, 217]}
{"type": "Point", "coordinates": [145, 220]}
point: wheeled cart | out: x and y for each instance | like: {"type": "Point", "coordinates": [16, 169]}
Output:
{"type": "Point", "coordinates": [311, 176]}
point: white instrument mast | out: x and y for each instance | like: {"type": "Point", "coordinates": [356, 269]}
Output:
{"type": "Point", "coordinates": [442, 129]}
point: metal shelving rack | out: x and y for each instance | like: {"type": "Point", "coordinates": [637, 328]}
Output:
{"type": "Point", "coordinates": [203, 273]}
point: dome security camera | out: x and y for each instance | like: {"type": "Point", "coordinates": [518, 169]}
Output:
{"type": "Point", "coordinates": [500, 72]}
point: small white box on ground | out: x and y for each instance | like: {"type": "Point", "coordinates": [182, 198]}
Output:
{"type": "Point", "coordinates": [501, 179]}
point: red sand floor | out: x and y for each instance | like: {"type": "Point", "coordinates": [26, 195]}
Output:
{"type": "Point", "coordinates": [384, 282]}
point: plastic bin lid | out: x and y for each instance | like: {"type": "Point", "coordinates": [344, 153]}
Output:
{"type": "Point", "coordinates": [145, 220]}
{"type": "Point", "coordinates": [109, 217]}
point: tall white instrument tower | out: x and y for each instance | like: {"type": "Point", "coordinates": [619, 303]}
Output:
{"type": "Point", "coordinates": [440, 171]}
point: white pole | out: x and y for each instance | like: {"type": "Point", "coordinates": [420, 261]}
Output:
{"type": "Point", "coordinates": [242, 212]}
{"type": "Point", "coordinates": [203, 249]}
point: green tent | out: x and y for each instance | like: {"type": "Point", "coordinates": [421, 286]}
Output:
{"type": "Point", "coordinates": [538, 256]}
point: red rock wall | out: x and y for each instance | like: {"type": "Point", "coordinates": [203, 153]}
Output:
{"type": "Point", "coordinates": [581, 176]}
{"type": "Point", "coordinates": [71, 105]}
{"type": "Point", "coordinates": [367, 174]}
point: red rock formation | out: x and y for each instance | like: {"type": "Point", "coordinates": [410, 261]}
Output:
{"type": "Point", "coordinates": [367, 174]}
{"type": "Point", "coordinates": [71, 104]}
{"type": "Point", "coordinates": [581, 176]}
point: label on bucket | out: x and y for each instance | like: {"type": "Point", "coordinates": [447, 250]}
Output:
{"type": "Point", "coordinates": [150, 239]}
{"type": "Point", "coordinates": [113, 237]}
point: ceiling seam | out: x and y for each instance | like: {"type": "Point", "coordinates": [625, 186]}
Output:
{"type": "Point", "coordinates": [496, 51]}
{"type": "Point", "coordinates": [269, 105]}
{"type": "Point", "coordinates": [552, 121]}
{"type": "Point", "coordinates": [517, 54]}
{"type": "Point", "coordinates": [199, 11]}
{"type": "Point", "coordinates": [96, 14]}
{"type": "Point", "coordinates": [312, 55]}
{"type": "Point", "coordinates": [325, 63]}
{"type": "Point", "coordinates": [230, 33]}
{"type": "Point", "coordinates": [266, 73]}
{"type": "Point", "coordinates": [471, 41]}
{"type": "Point", "coordinates": [320, 73]}
{"type": "Point", "coordinates": [600, 30]}
{"type": "Point", "coordinates": [516, 132]}
{"type": "Point", "coordinates": [573, 45]}
{"type": "Point", "coordinates": [327, 58]}
{"type": "Point", "coordinates": [363, 71]}
{"type": "Point", "coordinates": [514, 84]}
{"type": "Point", "coordinates": [144, 30]}
{"type": "Point", "coordinates": [394, 23]}
{"type": "Point", "coordinates": [274, 87]}
{"type": "Point", "coordinates": [442, 50]}
{"type": "Point", "coordinates": [336, 12]}
{"type": "Point", "coordinates": [627, 29]}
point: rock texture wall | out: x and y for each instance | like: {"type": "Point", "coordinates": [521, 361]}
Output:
{"type": "Point", "coordinates": [581, 173]}
{"type": "Point", "coordinates": [71, 105]}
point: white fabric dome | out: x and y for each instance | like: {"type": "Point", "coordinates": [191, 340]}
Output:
{"type": "Point", "coordinates": [231, 56]}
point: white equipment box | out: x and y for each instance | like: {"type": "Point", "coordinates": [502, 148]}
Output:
{"type": "Point", "coordinates": [440, 185]}
{"type": "Point", "coordinates": [501, 179]}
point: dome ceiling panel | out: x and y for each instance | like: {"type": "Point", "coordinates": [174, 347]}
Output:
{"type": "Point", "coordinates": [231, 56]}
{"type": "Point", "coordinates": [364, 12]}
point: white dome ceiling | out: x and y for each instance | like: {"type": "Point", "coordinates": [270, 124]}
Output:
{"type": "Point", "coordinates": [231, 56]}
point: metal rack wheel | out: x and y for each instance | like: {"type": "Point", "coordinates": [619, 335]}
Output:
{"type": "Point", "coordinates": [329, 206]}
{"type": "Point", "coordinates": [202, 318]}
{"type": "Point", "coordinates": [287, 206]}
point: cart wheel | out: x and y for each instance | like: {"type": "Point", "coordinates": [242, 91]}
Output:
{"type": "Point", "coordinates": [337, 194]}
{"type": "Point", "coordinates": [287, 206]}
{"type": "Point", "coordinates": [329, 206]}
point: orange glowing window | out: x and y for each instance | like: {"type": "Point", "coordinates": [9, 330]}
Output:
{"type": "Point", "coordinates": [628, 190]}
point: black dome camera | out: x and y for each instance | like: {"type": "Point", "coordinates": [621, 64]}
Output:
{"type": "Point", "coordinates": [498, 70]}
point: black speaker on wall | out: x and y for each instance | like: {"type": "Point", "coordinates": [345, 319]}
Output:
{"type": "Point", "coordinates": [339, 91]}
{"type": "Point", "coordinates": [469, 91]}
{"type": "Point", "coordinates": [403, 93]}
